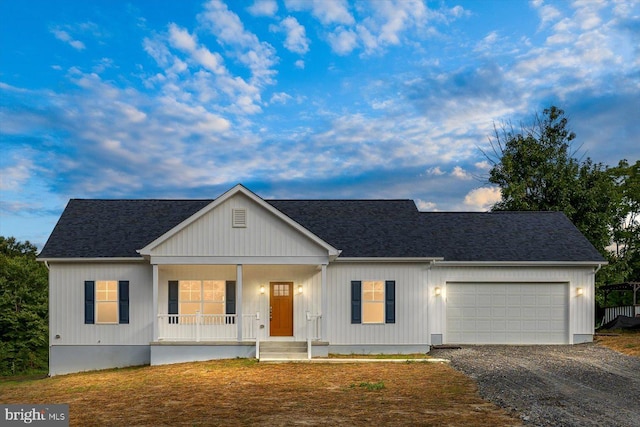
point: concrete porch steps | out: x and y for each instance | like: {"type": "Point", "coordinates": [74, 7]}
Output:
{"type": "Point", "coordinates": [275, 351]}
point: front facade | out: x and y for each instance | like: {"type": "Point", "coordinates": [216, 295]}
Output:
{"type": "Point", "coordinates": [138, 282]}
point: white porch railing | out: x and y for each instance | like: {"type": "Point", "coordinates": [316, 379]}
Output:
{"type": "Point", "coordinates": [205, 327]}
{"type": "Point", "coordinates": [611, 313]}
{"type": "Point", "coordinates": [313, 331]}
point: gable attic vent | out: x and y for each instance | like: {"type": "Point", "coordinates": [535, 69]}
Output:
{"type": "Point", "coordinates": [238, 218]}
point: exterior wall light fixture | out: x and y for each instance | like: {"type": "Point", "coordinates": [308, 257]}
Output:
{"type": "Point", "coordinates": [579, 291]}
{"type": "Point", "coordinates": [262, 289]}
{"type": "Point", "coordinates": [438, 291]}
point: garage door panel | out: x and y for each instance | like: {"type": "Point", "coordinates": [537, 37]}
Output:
{"type": "Point", "coordinates": [512, 312]}
{"type": "Point", "coordinates": [483, 312]}
{"type": "Point", "coordinates": [499, 313]}
{"type": "Point", "coordinates": [514, 300]}
{"type": "Point", "coordinates": [482, 300]}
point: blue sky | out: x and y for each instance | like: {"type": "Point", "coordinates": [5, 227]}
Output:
{"type": "Point", "coordinates": [296, 98]}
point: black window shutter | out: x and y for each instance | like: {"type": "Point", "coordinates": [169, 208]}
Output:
{"type": "Point", "coordinates": [230, 300]}
{"type": "Point", "coordinates": [173, 301]}
{"type": "Point", "coordinates": [123, 301]}
{"type": "Point", "coordinates": [89, 302]}
{"type": "Point", "coordinates": [356, 301]}
{"type": "Point", "coordinates": [390, 301]}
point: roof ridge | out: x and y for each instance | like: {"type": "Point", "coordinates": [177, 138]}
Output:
{"type": "Point", "coordinates": [339, 200]}
{"type": "Point", "coordinates": [142, 200]}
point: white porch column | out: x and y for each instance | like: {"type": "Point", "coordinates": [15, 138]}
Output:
{"type": "Point", "coordinates": [155, 302]}
{"type": "Point", "coordinates": [239, 300]}
{"type": "Point", "coordinates": [323, 302]}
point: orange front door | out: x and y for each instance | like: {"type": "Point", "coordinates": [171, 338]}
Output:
{"type": "Point", "coordinates": [281, 312]}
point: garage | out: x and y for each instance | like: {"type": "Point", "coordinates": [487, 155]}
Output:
{"type": "Point", "coordinates": [507, 313]}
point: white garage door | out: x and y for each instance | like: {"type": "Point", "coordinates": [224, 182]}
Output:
{"type": "Point", "coordinates": [507, 313]}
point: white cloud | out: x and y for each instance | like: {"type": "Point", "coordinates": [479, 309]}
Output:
{"type": "Point", "coordinates": [263, 8]}
{"type": "Point", "coordinates": [343, 41]}
{"type": "Point", "coordinates": [280, 98]}
{"type": "Point", "coordinates": [66, 37]}
{"type": "Point", "coordinates": [259, 57]}
{"type": "Point", "coordinates": [182, 40]}
{"type": "Point", "coordinates": [425, 206]}
{"type": "Point", "coordinates": [296, 38]}
{"type": "Point", "coordinates": [547, 13]}
{"type": "Point", "coordinates": [435, 171]}
{"type": "Point", "coordinates": [481, 199]}
{"type": "Point", "coordinates": [460, 173]}
{"type": "Point", "coordinates": [326, 11]}
{"type": "Point", "coordinates": [299, 64]}
{"type": "Point", "coordinates": [483, 165]}
{"type": "Point", "coordinates": [12, 177]}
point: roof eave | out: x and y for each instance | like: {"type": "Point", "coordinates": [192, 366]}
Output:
{"type": "Point", "coordinates": [520, 263]}
{"type": "Point", "coordinates": [390, 259]}
{"type": "Point", "coordinates": [91, 259]}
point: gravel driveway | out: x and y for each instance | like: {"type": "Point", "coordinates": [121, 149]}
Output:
{"type": "Point", "coordinates": [581, 385]}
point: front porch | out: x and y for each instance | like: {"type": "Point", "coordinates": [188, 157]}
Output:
{"type": "Point", "coordinates": [206, 312]}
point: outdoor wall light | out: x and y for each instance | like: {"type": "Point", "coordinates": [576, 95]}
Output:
{"type": "Point", "coordinates": [299, 289]}
{"type": "Point", "coordinates": [579, 291]}
{"type": "Point", "coordinates": [262, 289]}
{"type": "Point", "coordinates": [438, 292]}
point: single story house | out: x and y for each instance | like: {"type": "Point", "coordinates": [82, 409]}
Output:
{"type": "Point", "coordinates": [164, 281]}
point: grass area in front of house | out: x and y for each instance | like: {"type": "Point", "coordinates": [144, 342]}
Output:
{"type": "Point", "coordinates": [626, 342]}
{"type": "Point", "coordinates": [243, 392]}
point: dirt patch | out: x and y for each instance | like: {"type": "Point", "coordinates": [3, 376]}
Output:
{"type": "Point", "coordinates": [581, 385]}
{"type": "Point", "coordinates": [625, 342]}
{"type": "Point", "coordinates": [243, 392]}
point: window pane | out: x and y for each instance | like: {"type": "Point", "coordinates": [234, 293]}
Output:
{"type": "Point", "coordinates": [189, 290]}
{"type": "Point", "coordinates": [373, 291]}
{"type": "Point", "coordinates": [189, 307]}
{"type": "Point", "coordinates": [281, 290]}
{"type": "Point", "coordinates": [106, 312]}
{"type": "Point", "coordinates": [372, 312]}
{"type": "Point", "coordinates": [213, 308]}
{"type": "Point", "coordinates": [214, 290]}
{"type": "Point", "coordinates": [106, 290]}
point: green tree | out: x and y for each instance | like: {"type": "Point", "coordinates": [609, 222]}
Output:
{"type": "Point", "coordinates": [23, 309]}
{"type": "Point", "coordinates": [624, 256]}
{"type": "Point", "coordinates": [537, 169]}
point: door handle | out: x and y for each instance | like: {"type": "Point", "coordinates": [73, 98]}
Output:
{"type": "Point", "coordinates": [270, 312]}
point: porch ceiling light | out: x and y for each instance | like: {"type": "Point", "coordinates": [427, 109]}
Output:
{"type": "Point", "coordinates": [262, 289]}
{"type": "Point", "coordinates": [438, 291]}
{"type": "Point", "coordinates": [579, 291]}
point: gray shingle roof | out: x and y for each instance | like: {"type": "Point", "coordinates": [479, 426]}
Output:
{"type": "Point", "coordinates": [360, 228]}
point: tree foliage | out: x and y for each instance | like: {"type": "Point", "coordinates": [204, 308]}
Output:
{"type": "Point", "coordinates": [624, 256]}
{"type": "Point", "coordinates": [23, 309]}
{"type": "Point", "coordinates": [536, 168]}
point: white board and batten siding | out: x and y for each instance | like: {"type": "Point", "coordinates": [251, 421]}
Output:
{"type": "Point", "coordinates": [514, 305]}
{"type": "Point", "coordinates": [410, 327]}
{"type": "Point", "coordinates": [213, 235]}
{"type": "Point", "coordinates": [66, 302]}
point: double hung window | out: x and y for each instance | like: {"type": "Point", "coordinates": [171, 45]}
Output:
{"type": "Point", "coordinates": [373, 301]}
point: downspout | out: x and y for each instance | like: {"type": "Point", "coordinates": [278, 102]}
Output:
{"type": "Point", "coordinates": [46, 264]}
{"type": "Point", "coordinates": [597, 269]}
